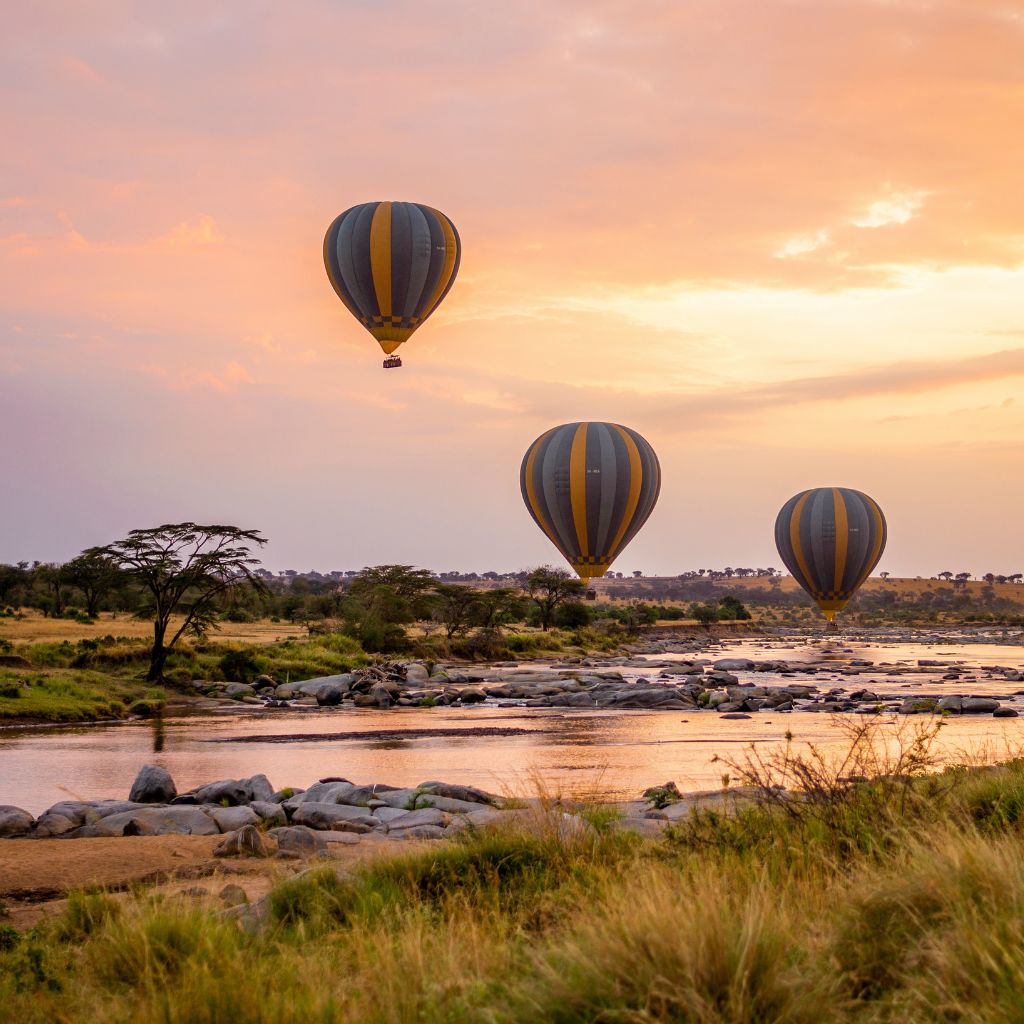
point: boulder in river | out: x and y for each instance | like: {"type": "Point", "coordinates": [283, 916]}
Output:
{"type": "Point", "coordinates": [153, 785]}
{"type": "Point", "coordinates": [979, 705]}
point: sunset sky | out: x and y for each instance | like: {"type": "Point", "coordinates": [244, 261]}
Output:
{"type": "Point", "coordinates": [782, 239]}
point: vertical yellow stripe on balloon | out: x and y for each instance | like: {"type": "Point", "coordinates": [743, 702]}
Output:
{"type": "Point", "coordinates": [531, 491]}
{"type": "Point", "coordinates": [794, 540]}
{"type": "Point", "coordinates": [380, 256]}
{"type": "Point", "coordinates": [842, 537]}
{"type": "Point", "coordinates": [449, 263]}
{"type": "Point", "coordinates": [578, 485]}
{"type": "Point", "coordinates": [636, 476]}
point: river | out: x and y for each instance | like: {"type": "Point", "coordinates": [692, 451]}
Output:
{"type": "Point", "coordinates": [612, 754]}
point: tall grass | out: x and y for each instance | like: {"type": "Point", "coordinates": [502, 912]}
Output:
{"type": "Point", "coordinates": [768, 914]}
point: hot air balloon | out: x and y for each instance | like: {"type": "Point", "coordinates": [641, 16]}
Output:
{"type": "Point", "coordinates": [590, 487]}
{"type": "Point", "coordinates": [392, 264]}
{"type": "Point", "coordinates": [830, 539]}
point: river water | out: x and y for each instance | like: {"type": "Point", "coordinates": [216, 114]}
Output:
{"type": "Point", "coordinates": [612, 754]}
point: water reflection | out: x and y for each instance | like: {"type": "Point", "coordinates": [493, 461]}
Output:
{"type": "Point", "coordinates": [158, 734]}
{"type": "Point", "coordinates": [614, 754]}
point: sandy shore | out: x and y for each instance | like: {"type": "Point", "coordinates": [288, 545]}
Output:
{"type": "Point", "coordinates": [37, 874]}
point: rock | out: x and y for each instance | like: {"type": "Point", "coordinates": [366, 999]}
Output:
{"type": "Point", "coordinates": [230, 819]}
{"type": "Point", "coordinates": [161, 821]}
{"type": "Point", "coordinates": [246, 842]}
{"type": "Point", "coordinates": [735, 715]}
{"type": "Point", "coordinates": [416, 673]}
{"type": "Point", "coordinates": [734, 665]}
{"type": "Point", "coordinates": [239, 690]}
{"type": "Point", "coordinates": [14, 822]}
{"type": "Point", "coordinates": [257, 787]}
{"type": "Point", "coordinates": [299, 841]}
{"type": "Point", "coordinates": [978, 705]}
{"type": "Point", "coordinates": [153, 785]}
{"type": "Point", "coordinates": [50, 825]}
{"type": "Point", "coordinates": [717, 697]}
{"type": "Point", "coordinates": [264, 682]}
{"type": "Point", "coordinates": [330, 695]}
{"type": "Point", "coordinates": [472, 695]}
{"type": "Point", "coordinates": [309, 687]}
{"type": "Point", "coordinates": [444, 803]}
{"type": "Point", "coordinates": [232, 895]}
{"type": "Point", "coordinates": [1005, 713]}
{"type": "Point", "coordinates": [418, 832]}
{"type": "Point", "coordinates": [345, 838]}
{"type": "Point", "coordinates": [341, 817]}
{"type": "Point", "coordinates": [381, 696]}
{"type": "Point", "coordinates": [271, 813]}
{"type": "Point", "coordinates": [424, 816]}
{"type": "Point", "coordinates": [226, 792]}
{"type": "Point", "coordinates": [327, 793]}
{"type": "Point", "coordinates": [387, 814]}
{"type": "Point", "coordinates": [456, 792]}
{"type": "Point", "coordinates": [250, 917]}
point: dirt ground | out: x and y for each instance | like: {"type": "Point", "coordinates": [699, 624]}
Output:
{"type": "Point", "coordinates": [36, 628]}
{"type": "Point", "coordinates": [37, 874]}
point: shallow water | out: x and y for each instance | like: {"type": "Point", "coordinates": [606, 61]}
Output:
{"type": "Point", "coordinates": [613, 754]}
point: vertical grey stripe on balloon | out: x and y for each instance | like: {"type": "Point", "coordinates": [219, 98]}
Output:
{"type": "Point", "coordinates": [555, 484]}
{"type": "Point", "coordinates": [401, 262]}
{"type": "Point", "coordinates": [358, 259]}
{"type": "Point", "coordinates": [419, 261]}
{"type": "Point", "coordinates": [611, 487]}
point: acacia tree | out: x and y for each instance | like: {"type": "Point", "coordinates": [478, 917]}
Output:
{"type": "Point", "coordinates": [454, 606]}
{"type": "Point", "coordinates": [95, 576]}
{"type": "Point", "coordinates": [549, 587]}
{"type": "Point", "coordinates": [185, 569]}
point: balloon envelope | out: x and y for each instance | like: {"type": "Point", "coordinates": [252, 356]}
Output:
{"type": "Point", "coordinates": [590, 487]}
{"type": "Point", "coordinates": [830, 539]}
{"type": "Point", "coordinates": [392, 264]}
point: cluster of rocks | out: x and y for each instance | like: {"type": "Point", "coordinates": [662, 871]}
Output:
{"type": "Point", "coordinates": [250, 813]}
{"type": "Point", "coordinates": [689, 685]}
{"type": "Point", "coordinates": [257, 821]}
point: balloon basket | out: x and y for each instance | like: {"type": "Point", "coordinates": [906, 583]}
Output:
{"type": "Point", "coordinates": [392, 362]}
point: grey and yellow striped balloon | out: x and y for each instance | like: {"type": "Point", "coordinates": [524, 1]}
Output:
{"type": "Point", "coordinates": [830, 539]}
{"type": "Point", "coordinates": [590, 487]}
{"type": "Point", "coordinates": [392, 264]}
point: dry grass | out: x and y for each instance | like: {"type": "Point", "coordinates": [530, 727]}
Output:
{"type": "Point", "coordinates": [34, 627]}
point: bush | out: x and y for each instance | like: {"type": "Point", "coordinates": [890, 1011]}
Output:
{"type": "Point", "coordinates": [572, 615]}
{"type": "Point", "coordinates": [240, 665]}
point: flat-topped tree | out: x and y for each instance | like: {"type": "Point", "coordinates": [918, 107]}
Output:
{"type": "Point", "coordinates": [184, 568]}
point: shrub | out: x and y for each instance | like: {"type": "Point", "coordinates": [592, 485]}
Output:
{"type": "Point", "coordinates": [240, 665]}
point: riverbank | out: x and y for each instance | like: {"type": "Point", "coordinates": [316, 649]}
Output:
{"type": "Point", "coordinates": [891, 899]}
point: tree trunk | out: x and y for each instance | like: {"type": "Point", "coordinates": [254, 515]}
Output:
{"type": "Point", "coordinates": [158, 655]}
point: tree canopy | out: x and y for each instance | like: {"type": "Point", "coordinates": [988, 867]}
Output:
{"type": "Point", "coordinates": [185, 568]}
